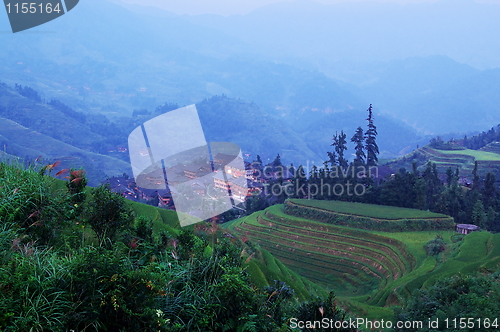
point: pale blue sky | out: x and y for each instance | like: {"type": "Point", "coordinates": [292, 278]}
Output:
{"type": "Point", "coordinates": [228, 7]}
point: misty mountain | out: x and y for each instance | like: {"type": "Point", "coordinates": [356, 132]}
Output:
{"type": "Point", "coordinates": [256, 132]}
{"type": "Point", "coordinates": [369, 31]}
{"type": "Point", "coordinates": [106, 59]}
{"type": "Point", "coordinates": [434, 94]}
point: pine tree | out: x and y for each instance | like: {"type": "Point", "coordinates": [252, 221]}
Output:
{"type": "Point", "coordinates": [475, 180]}
{"type": "Point", "coordinates": [359, 148]}
{"type": "Point", "coordinates": [478, 215]}
{"type": "Point", "coordinates": [370, 140]}
{"type": "Point", "coordinates": [491, 217]}
{"type": "Point", "coordinates": [277, 161]}
{"type": "Point", "coordinates": [332, 155]}
{"type": "Point", "coordinates": [489, 190]}
{"type": "Point", "coordinates": [340, 146]}
{"type": "Point", "coordinates": [258, 167]}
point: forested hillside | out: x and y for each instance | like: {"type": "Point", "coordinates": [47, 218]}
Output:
{"type": "Point", "coordinates": [79, 258]}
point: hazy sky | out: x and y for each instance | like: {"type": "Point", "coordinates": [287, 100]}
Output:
{"type": "Point", "coordinates": [228, 7]}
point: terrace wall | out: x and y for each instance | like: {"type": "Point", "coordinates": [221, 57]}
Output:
{"type": "Point", "coordinates": [399, 225]}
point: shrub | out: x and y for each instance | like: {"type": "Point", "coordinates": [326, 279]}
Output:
{"type": "Point", "coordinates": [76, 185]}
{"type": "Point", "coordinates": [435, 246]}
{"type": "Point", "coordinates": [28, 200]}
{"type": "Point", "coordinates": [320, 308]}
{"type": "Point", "coordinates": [109, 293]}
{"type": "Point", "coordinates": [93, 290]}
{"type": "Point", "coordinates": [468, 297]}
{"type": "Point", "coordinates": [107, 213]}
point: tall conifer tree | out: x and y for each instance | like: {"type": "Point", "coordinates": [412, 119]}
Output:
{"type": "Point", "coordinates": [370, 141]}
{"type": "Point", "coordinates": [359, 148]}
{"type": "Point", "coordinates": [332, 155]}
{"type": "Point", "coordinates": [340, 145]}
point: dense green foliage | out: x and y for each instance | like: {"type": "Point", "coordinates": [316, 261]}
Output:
{"type": "Point", "coordinates": [469, 298]}
{"type": "Point", "coordinates": [107, 213]}
{"type": "Point", "coordinates": [435, 246]}
{"type": "Point", "coordinates": [108, 269]}
{"type": "Point", "coordinates": [478, 141]}
{"type": "Point", "coordinates": [423, 190]}
{"type": "Point", "coordinates": [28, 204]}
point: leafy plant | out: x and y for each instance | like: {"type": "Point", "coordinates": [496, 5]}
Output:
{"type": "Point", "coordinates": [107, 213]}
{"type": "Point", "coordinates": [76, 185]}
{"type": "Point", "coordinates": [435, 246]}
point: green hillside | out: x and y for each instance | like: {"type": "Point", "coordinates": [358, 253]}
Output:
{"type": "Point", "coordinates": [493, 147]}
{"type": "Point", "coordinates": [477, 154]}
{"type": "Point", "coordinates": [26, 142]}
{"type": "Point", "coordinates": [262, 266]}
{"type": "Point", "coordinates": [488, 159]}
{"type": "Point", "coordinates": [369, 270]}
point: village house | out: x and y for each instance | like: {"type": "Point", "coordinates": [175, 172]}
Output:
{"type": "Point", "coordinates": [195, 171]}
{"type": "Point", "coordinates": [222, 159]}
{"type": "Point", "coordinates": [220, 182]}
{"type": "Point", "coordinates": [236, 168]}
{"type": "Point", "coordinates": [466, 228]}
{"type": "Point", "coordinates": [239, 188]}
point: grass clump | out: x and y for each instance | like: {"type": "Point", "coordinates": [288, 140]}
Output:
{"type": "Point", "coordinates": [29, 201]}
{"type": "Point", "coordinates": [435, 246]}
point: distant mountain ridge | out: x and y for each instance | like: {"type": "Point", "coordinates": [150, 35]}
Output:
{"type": "Point", "coordinates": [30, 129]}
{"type": "Point", "coordinates": [140, 61]}
{"type": "Point", "coordinates": [369, 31]}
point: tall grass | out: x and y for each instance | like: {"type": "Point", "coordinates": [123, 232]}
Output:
{"type": "Point", "coordinates": [37, 277]}
{"type": "Point", "coordinates": [29, 201]}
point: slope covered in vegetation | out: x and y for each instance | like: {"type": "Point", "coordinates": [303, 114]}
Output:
{"type": "Point", "coordinates": [80, 258]}
{"type": "Point", "coordinates": [369, 269]}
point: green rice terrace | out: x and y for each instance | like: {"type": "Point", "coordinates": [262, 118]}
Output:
{"type": "Point", "coordinates": [488, 159]}
{"type": "Point", "coordinates": [370, 270]}
{"type": "Point", "coordinates": [367, 216]}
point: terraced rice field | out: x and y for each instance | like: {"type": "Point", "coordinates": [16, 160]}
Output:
{"type": "Point", "coordinates": [368, 270]}
{"type": "Point", "coordinates": [368, 216]}
{"type": "Point", "coordinates": [476, 154]}
{"type": "Point", "coordinates": [492, 147]}
{"type": "Point", "coordinates": [369, 210]}
{"type": "Point", "coordinates": [327, 254]}
{"type": "Point", "coordinates": [488, 159]}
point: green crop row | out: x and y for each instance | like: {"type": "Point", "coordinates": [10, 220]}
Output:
{"type": "Point", "coordinates": [316, 268]}
{"type": "Point", "coordinates": [368, 223]}
{"type": "Point", "coordinates": [375, 247]}
{"type": "Point", "coordinates": [398, 248]}
{"type": "Point", "coordinates": [358, 254]}
{"type": "Point", "coordinates": [306, 261]}
{"type": "Point", "coordinates": [368, 210]}
{"type": "Point", "coordinates": [334, 242]}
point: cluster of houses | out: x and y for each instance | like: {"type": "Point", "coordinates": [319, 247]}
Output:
{"type": "Point", "coordinates": [226, 173]}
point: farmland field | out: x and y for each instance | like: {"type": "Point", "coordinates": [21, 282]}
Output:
{"type": "Point", "coordinates": [368, 216]}
{"type": "Point", "coordinates": [369, 210]}
{"type": "Point", "coordinates": [369, 270]}
{"type": "Point", "coordinates": [478, 155]}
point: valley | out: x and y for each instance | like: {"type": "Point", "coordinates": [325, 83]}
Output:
{"type": "Point", "coordinates": [370, 270]}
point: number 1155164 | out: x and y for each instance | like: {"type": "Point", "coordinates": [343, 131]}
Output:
{"type": "Point", "coordinates": [32, 8]}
